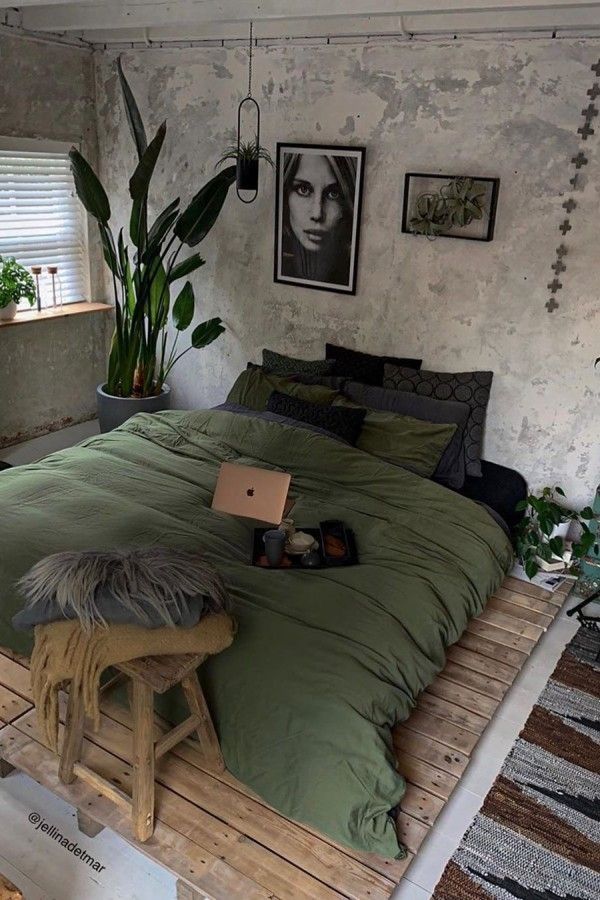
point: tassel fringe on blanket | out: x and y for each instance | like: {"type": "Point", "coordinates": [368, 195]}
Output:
{"type": "Point", "coordinates": [65, 651]}
{"type": "Point", "coordinates": [156, 585]}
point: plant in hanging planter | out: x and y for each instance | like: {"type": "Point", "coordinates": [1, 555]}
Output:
{"type": "Point", "coordinates": [16, 285]}
{"type": "Point", "coordinates": [142, 353]}
{"type": "Point", "coordinates": [541, 533]}
{"type": "Point", "coordinates": [246, 156]}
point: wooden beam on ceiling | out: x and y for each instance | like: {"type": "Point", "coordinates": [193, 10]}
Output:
{"type": "Point", "coordinates": [88, 17]}
{"type": "Point", "coordinates": [561, 21]}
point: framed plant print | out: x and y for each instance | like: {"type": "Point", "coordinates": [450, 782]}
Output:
{"type": "Point", "coordinates": [456, 206]}
{"type": "Point", "coordinates": [317, 216]}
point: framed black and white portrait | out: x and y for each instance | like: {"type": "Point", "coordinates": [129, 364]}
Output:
{"type": "Point", "coordinates": [317, 216]}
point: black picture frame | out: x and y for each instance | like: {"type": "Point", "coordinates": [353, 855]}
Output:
{"type": "Point", "coordinates": [299, 260]}
{"type": "Point", "coordinates": [412, 190]}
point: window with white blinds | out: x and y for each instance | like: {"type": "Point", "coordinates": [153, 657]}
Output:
{"type": "Point", "coordinates": [42, 223]}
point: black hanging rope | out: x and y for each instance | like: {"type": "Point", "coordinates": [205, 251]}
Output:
{"type": "Point", "coordinates": [248, 99]}
{"type": "Point", "coordinates": [250, 63]}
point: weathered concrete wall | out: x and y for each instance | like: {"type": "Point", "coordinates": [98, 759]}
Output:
{"type": "Point", "coordinates": [507, 109]}
{"type": "Point", "coordinates": [49, 370]}
{"type": "Point", "coordinates": [49, 373]}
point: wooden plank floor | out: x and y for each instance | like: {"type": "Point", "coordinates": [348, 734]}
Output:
{"type": "Point", "coordinates": [225, 842]}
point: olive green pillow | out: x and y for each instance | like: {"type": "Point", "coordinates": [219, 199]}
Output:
{"type": "Point", "coordinates": [253, 388]}
{"type": "Point", "coordinates": [402, 440]}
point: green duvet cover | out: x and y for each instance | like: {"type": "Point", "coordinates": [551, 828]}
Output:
{"type": "Point", "coordinates": [324, 662]}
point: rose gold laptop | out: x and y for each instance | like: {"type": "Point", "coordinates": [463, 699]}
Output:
{"type": "Point", "coordinates": [248, 491]}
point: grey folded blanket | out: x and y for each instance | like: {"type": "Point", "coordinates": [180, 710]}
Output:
{"type": "Point", "coordinates": [147, 586]}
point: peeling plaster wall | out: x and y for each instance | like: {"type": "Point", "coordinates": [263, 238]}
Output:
{"type": "Point", "coordinates": [507, 109]}
{"type": "Point", "coordinates": [49, 370]}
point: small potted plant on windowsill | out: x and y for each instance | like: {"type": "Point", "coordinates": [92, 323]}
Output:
{"type": "Point", "coordinates": [16, 285]}
{"type": "Point", "coordinates": [542, 532]}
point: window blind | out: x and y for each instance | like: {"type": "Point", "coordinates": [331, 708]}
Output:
{"type": "Point", "coordinates": [42, 222]}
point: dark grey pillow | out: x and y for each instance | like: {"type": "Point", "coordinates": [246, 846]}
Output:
{"type": "Point", "coordinates": [451, 467]}
{"type": "Point", "coordinates": [365, 367]}
{"type": "Point", "coordinates": [274, 417]}
{"type": "Point", "coordinates": [142, 613]}
{"type": "Point", "coordinates": [329, 418]}
{"type": "Point", "coordinates": [472, 388]}
{"type": "Point", "coordinates": [278, 364]}
{"type": "Point", "coordinates": [335, 382]}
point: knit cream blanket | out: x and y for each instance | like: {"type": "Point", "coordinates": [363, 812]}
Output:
{"type": "Point", "coordinates": [64, 651]}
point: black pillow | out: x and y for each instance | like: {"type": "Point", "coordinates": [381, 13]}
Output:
{"type": "Point", "coordinates": [345, 422]}
{"type": "Point", "coordinates": [364, 367]}
{"type": "Point", "coordinates": [451, 467]}
{"type": "Point", "coordinates": [472, 388]}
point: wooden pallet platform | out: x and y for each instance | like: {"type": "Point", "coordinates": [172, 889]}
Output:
{"type": "Point", "coordinates": [223, 842]}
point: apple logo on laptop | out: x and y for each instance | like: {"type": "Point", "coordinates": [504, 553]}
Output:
{"type": "Point", "coordinates": [250, 492]}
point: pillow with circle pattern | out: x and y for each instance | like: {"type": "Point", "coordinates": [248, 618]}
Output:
{"type": "Point", "coordinates": [472, 388]}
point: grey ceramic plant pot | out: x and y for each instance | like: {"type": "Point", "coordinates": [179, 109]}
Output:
{"type": "Point", "coordinates": [113, 411]}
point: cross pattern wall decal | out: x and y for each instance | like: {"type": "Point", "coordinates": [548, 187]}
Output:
{"type": "Point", "coordinates": [580, 160]}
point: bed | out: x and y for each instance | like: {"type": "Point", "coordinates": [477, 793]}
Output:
{"type": "Point", "coordinates": [324, 662]}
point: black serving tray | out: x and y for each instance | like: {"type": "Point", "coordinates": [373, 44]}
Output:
{"type": "Point", "coordinates": [293, 562]}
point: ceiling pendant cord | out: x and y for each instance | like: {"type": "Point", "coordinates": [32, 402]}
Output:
{"type": "Point", "coordinates": [250, 62]}
{"type": "Point", "coordinates": [247, 168]}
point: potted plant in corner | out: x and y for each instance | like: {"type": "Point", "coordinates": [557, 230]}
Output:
{"type": "Point", "coordinates": [16, 284]}
{"type": "Point", "coordinates": [142, 352]}
{"type": "Point", "coordinates": [541, 534]}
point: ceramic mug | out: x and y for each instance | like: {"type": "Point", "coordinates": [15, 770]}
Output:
{"type": "Point", "coordinates": [274, 541]}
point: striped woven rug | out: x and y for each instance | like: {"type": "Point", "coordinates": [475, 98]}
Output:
{"type": "Point", "coordinates": [537, 836]}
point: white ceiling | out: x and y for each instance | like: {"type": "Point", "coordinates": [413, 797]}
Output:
{"type": "Point", "coordinates": [147, 21]}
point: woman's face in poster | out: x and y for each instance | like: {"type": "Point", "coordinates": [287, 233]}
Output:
{"type": "Point", "coordinates": [315, 202]}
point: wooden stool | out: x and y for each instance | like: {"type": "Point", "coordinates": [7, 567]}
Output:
{"type": "Point", "coordinates": [148, 675]}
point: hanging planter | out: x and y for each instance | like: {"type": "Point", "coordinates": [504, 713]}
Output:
{"type": "Point", "coordinates": [247, 154]}
{"type": "Point", "coordinates": [247, 162]}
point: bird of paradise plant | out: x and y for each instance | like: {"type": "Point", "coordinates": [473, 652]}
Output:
{"type": "Point", "coordinates": [142, 354]}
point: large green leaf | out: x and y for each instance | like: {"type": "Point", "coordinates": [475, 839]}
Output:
{"type": "Point", "coordinates": [207, 332]}
{"type": "Point", "coordinates": [159, 295]}
{"type": "Point", "coordinates": [186, 266]}
{"type": "Point", "coordinates": [109, 251]}
{"type": "Point", "coordinates": [183, 308]}
{"type": "Point", "coordinates": [140, 180]}
{"type": "Point", "coordinates": [88, 187]}
{"type": "Point", "coordinates": [138, 223]}
{"type": "Point", "coordinates": [162, 224]}
{"type": "Point", "coordinates": [138, 132]}
{"type": "Point", "coordinates": [195, 222]}
{"type": "Point", "coordinates": [129, 288]}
